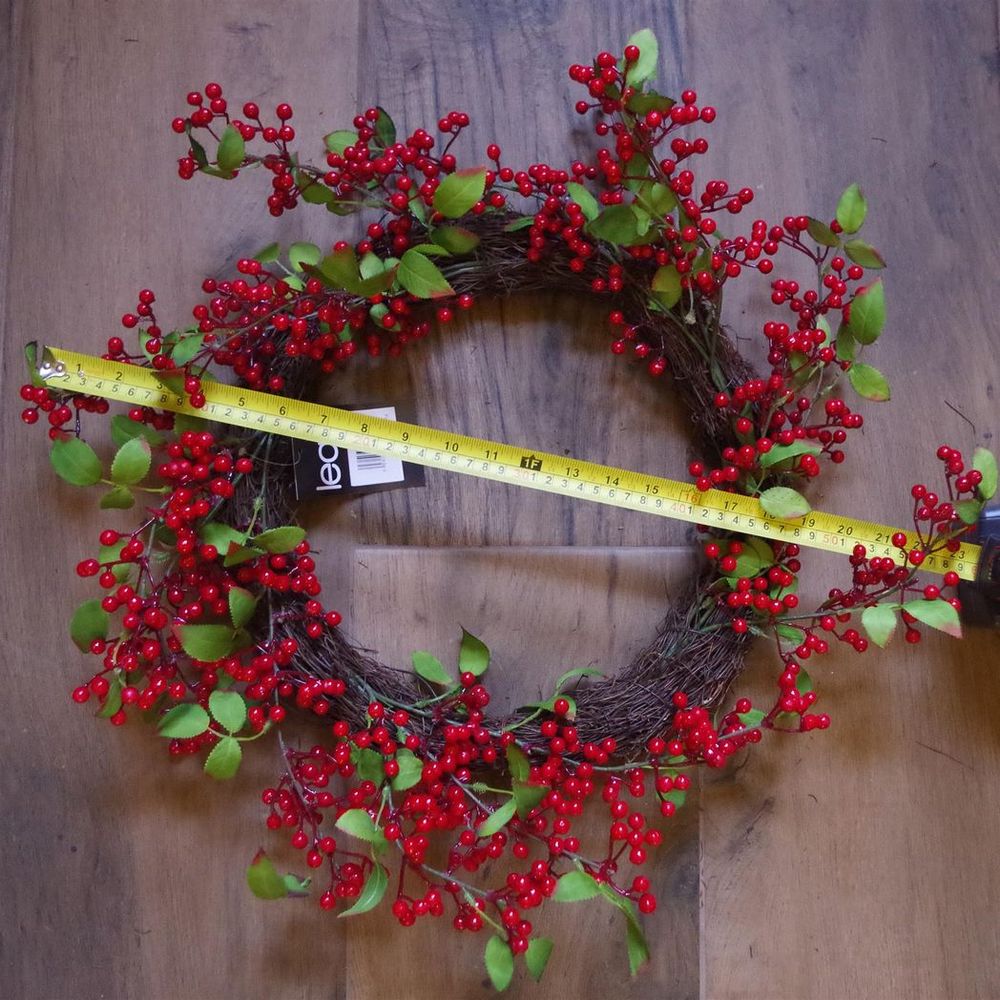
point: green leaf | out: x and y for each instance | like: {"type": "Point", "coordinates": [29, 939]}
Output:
{"type": "Point", "coordinates": [985, 462]}
{"type": "Point", "coordinates": [880, 623]}
{"type": "Point", "coordinates": [207, 643]}
{"type": "Point", "coordinates": [372, 893]}
{"type": "Point", "coordinates": [576, 672]}
{"type": "Point", "coordinates": [937, 614]}
{"type": "Point", "coordinates": [371, 265]}
{"type": "Point", "coordinates": [852, 209]}
{"type": "Point", "coordinates": [803, 682]}
{"type": "Point", "coordinates": [455, 239]}
{"type": "Point", "coordinates": [264, 880]}
{"type": "Point", "coordinates": [762, 547]}
{"type": "Point", "coordinates": [526, 797]}
{"type": "Point", "coordinates": [782, 452]}
{"type": "Point", "coordinates": [369, 765]}
{"type": "Point", "coordinates": [422, 277]}
{"type": "Point", "coordinates": [868, 313]}
{"type": "Point", "coordinates": [431, 250]}
{"type": "Point", "coordinates": [459, 191]}
{"type": "Point", "coordinates": [499, 961]}
{"type": "Point", "coordinates": [89, 622]}
{"type": "Point", "coordinates": [667, 285]}
{"type": "Point", "coordinates": [784, 502]}
{"type": "Point", "coordinates": [296, 886]}
{"type": "Point", "coordinates": [357, 823]}
{"type": "Point", "coordinates": [638, 947]}
{"type": "Point", "coordinates": [242, 605]}
{"type": "Point", "coordinates": [112, 554]}
{"type": "Point", "coordinates": [31, 361]}
{"type": "Point", "coordinates": [549, 705]}
{"type": "Point", "coordinates": [337, 142]}
{"type": "Point", "coordinates": [677, 796]}
{"type": "Point", "coordinates": [75, 461]}
{"type": "Point", "coordinates": [312, 190]}
{"type": "Point", "coordinates": [574, 886]}
{"type": "Point", "coordinates": [343, 206]}
{"type": "Point", "coordinates": [378, 312]}
{"type": "Point", "coordinates": [118, 498]}
{"type": "Point", "coordinates": [385, 129]}
{"type": "Point", "coordinates": [378, 283]}
{"type": "Point", "coordinates": [656, 199]}
{"type": "Point", "coordinates": [182, 722]}
{"type": "Point", "coordinates": [497, 819]}
{"type": "Point", "coordinates": [847, 346]}
{"type": "Point", "coordinates": [269, 254]}
{"type": "Point", "coordinates": [304, 253]}
{"type": "Point", "coordinates": [228, 709]}
{"type": "Point", "coordinates": [131, 462]}
{"type": "Point", "coordinates": [418, 208]}
{"type": "Point", "coordinates": [751, 719]}
{"type": "Point", "coordinates": [537, 957]}
{"type": "Point", "coordinates": [224, 760]}
{"type": "Point", "coordinates": [113, 699]}
{"type": "Point", "coordinates": [868, 382]}
{"type": "Point", "coordinates": [473, 655]}
{"type": "Point", "coordinates": [518, 763]}
{"type": "Point", "coordinates": [864, 254]}
{"type": "Point", "coordinates": [642, 102]}
{"type": "Point", "coordinates": [968, 511]}
{"type": "Point", "coordinates": [524, 222]}
{"type": "Point", "coordinates": [241, 640]}
{"type": "Point", "coordinates": [124, 429]}
{"type": "Point", "coordinates": [410, 770]}
{"type": "Point", "coordinates": [803, 370]}
{"type": "Point", "coordinates": [822, 233]}
{"type": "Point", "coordinates": [236, 555]}
{"type": "Point", "coordinates": [197, 151]}
{"type": "Point", "coordinates": [339, 269]}
{"type": "Point", "coordinates": [747, 564]}
{"type": "Point", "coordinates": [188, 422]}
{"type": "Point", "coordinates": [431, 669]}
{"type": "Point", "coordinates": [790, 632]}
{"type": "Point", "coordinates": [231, 149]}
{"type": "Point", "coordinates": [185, 349]}
{"type": "Point", "coordinates": [589, 205]}
{"type": "Point", "coordinates": [278, 540]}
{"type": "Point", "coordinates": [221, 535]}
{"type": "Point", "coordinates": [644, 68]}
{"type": "Point", "coordinates": [619, 224]}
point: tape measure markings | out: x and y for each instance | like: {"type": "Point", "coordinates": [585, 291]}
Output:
{"type": "Point", "coordinates": [492, 460]}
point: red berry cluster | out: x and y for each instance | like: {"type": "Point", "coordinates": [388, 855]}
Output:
{"type": "Point", "coordinates": [181, 631]}
{"type": "Point", "coordinates": [415, 799]}
{"type": "Point", "coordinates": [60, 411]}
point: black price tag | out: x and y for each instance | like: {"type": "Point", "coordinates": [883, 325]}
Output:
{"type": "Point", "coordinates": [326, 470]}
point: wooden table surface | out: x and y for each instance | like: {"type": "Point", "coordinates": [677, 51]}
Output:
{"type": "Point", "coordinates": [855, 863]}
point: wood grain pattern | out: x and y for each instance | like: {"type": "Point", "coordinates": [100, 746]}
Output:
{"type": "Point", "coordinates": [857, 862]}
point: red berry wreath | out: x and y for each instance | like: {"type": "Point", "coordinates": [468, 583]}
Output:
{"type": "Point", "coordinates": [210, 621]}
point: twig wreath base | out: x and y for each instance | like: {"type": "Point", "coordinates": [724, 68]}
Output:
{"type": "Point", "coordinates": [691, 651]}
{"type": "Point", "coordinates": [210, 623]}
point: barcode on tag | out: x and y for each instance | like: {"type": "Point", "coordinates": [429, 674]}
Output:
{"type": "Point", "coordinates": [371, 470]}
{"type": "Point", "coordinates": [365, 460]}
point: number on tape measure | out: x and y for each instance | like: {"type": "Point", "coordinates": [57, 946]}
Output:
{"type": "Point", "coordinates": [375, 438]}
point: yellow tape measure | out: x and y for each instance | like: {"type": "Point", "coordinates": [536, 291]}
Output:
{"type": "Point", "coordinates": [504, 463]}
